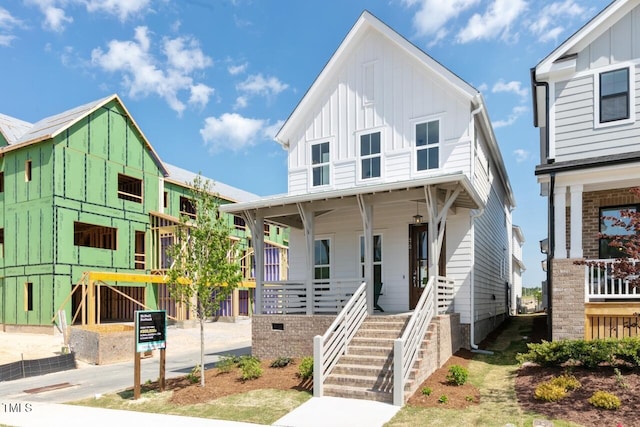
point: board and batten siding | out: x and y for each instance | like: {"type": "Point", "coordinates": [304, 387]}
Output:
{"type": "Point", "coordinates": [405, 92]}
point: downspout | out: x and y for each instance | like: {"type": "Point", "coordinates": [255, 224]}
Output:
{"type": "Point", "coordinates": [475, 213]}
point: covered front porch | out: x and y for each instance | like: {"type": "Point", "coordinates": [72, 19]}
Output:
{"type": "Point", "coordinates": [393, 237]}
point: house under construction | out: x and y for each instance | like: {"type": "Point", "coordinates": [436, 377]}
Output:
{"type": "Point", "coordinates": [87, 211]}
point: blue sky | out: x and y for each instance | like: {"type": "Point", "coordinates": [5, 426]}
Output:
{"type": "Point", "coordinates": [210, 81]}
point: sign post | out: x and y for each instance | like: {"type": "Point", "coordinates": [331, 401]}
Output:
{"type": "Point", "coordinates": [151, 334]}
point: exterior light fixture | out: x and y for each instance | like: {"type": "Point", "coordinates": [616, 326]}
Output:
{"type": "Point", "coordinates": [417, 218]}
{"type": "Point", "coordinates": [544, 246]}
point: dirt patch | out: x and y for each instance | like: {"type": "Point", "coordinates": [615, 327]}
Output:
{"type": "Point", "coordinates": [443, 393]}
{"type": "Point", "coordinates": [575, 407]}
{"type": "Point", "coordinates": [219, 384]}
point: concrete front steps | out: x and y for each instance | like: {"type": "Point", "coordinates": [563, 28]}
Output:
{"type": "Point", "coordinates": [366, 370]}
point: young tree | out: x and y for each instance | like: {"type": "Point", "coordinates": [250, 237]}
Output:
{"type": "Point", "coordinates": [203, 272]}
{"type": "Point", "coordinates": [626, 267]}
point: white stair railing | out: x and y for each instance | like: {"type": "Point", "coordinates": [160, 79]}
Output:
{"type": "Point", "coordinates": [407, 347]}
{"type": "Point", "coordinates": [328, 348]}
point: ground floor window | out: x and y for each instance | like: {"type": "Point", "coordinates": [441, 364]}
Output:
{"type": "Point", "coordinates": [322, 259]}
{"type": "Point", "coordinates": [609, 226]}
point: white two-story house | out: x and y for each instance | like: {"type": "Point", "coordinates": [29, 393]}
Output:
{"type": "Point", "coordinates": [395, 182]}
{"type": "Point", "coordinates": [586, 104]}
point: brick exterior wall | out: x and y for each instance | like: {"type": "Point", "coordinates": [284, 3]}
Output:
{"type": "Point", "coordinates": [295, 339]}
{"type": "Point", "coordinates": [568, 300]}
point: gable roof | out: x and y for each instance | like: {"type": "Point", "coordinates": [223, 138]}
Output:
{"type": "Point", "coordinates": [26, 134]}
{"type": "Point", "coordinates": [365, 22]}
{"type": "Point", "coordinates": [587, 34]}
{"type": "Point", "coordinates": [12, 128]}
{"type": "Point", "coordinates": [184, 178]}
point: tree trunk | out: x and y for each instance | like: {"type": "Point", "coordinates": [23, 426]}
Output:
{"type": "Point", "coordinates": [201, 351]}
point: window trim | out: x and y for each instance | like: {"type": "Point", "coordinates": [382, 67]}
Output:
{"type": "Point", "coordinates": [360, 157]}
{"type": "Point", "coordinates": [328, 141]}
{"type": "Point", "coordinates": [330, 265]}
{"type": "Point", "coordinates": [631, 95]}
{"type": "Point", "coordinates": [600, 215]}
{"type": "Point", "coordinates": [374, 262]}
{"type": "Point", "coordinates": [414, 147]}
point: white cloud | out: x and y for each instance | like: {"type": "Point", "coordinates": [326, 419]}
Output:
{"type": "Point", "coordinates": [549, 23]}
{"type": "Point", "coordinates": [200, 94]}
{"type": "Point", "coordinates": [55, 17]}
{"type": "Point", "coordinates": [8, 21]}
{"type": "Point", "coordinates": [241, 102]}
{"type": "Point", "coordinates": [5, 39]}
{"type": "Point", "coordinates": [234, 70]}
{"type": "Point", "coordinates": [515, 114]}
{"type": "Point", "coordinates": [495, 23]}
{"type": "Point", "coordinates": [434, 14]}
{"type": "Point", "coordinates": [184, 54]}
{"type": "Point", "coordinates": [143, 74]}
{"type": "Point", "coordinates": [123, 9]}
{"type": "Point", "coordinates": [521, 155]}
{"type": "Point", "coordinates": [483, 87]}
{"type": "Point", "coordinates": [256, 84]}
{"type": "Point", "coordinates": [232, 131]}
{"type": "Point", "coordinates": [514, 87]}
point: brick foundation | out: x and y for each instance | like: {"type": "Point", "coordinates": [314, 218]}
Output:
{"type": "Point", "coordinates": [567, 300]}
{"type": "Point", "coordinates": [276, 336]}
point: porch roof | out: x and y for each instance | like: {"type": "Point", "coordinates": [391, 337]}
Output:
{"type": "Point", "coordinates": [283, 208]}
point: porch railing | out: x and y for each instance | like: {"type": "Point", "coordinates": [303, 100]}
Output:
{"type": "Point", "coordinates": [329, 296]}
{"type": "Point", "coordinates": [407, 347]}
{"type": "Point", "coordinates": [328, 348]}
{"type": "Point", "coordinates": [600, 283]}
{"type": "Point", "coordinates": [445, 294]}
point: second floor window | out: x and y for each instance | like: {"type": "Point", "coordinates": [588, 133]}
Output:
{"type": "Point", "coordinates": [370, 155]}
{"type": "Point", "coordinates": [187, 207]}
{"type": "Point", "coordinates": [614, 95]}
{"type": "Point", "coordinates": [129, 188]}
{"type": "Point", "coordinates": [427, 145]}
{"type": "Point", "coordinates": [320, 163]}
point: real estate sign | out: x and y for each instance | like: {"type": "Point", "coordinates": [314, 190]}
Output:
{"type": "Point", "coordinates": [151, 330]}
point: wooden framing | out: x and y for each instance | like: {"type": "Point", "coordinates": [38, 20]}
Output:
{"type": "Point", "coordinates": [91, 282]}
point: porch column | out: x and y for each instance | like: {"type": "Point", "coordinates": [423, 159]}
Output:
{"type": "Point", "coordinates": [437, 223]}
{"type": "Point", "coordinates": [576, 221]}
{"type": "Point", "coordinates": [559, 215]}
{"type": "Point", "coordinates": [307, 217]}
{"type": "Point", "coordinates": [366, 212]}
{"type": "Point", "coordinates": [255, 222]}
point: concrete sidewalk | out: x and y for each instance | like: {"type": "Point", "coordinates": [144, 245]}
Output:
{"type": "Point", "coordinates": [316, 412]}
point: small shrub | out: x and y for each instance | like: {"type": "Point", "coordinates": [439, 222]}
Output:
{"type": "Point", "coordinates": [251, 369]}
{"type": "Point", "coordinates": [620, 379]}
{"type": "Point", "coordinates": [426, 391]}
{"type": "Point", "coordinates": [604, 400]}
{"type": "Point", "coordinates": [281, 362]}
{"type": "Point", "coordinates": [247, 360]}
{"type": "Point", "coordinates": [457, 375]}
{"type": "Point", "coordinates": [227, 363]}
{"type": "Point", "coordinates": [567, 382]}
{"type": "Point", "coordinates": [549, 392]}
{"type": "Point", "coordinates": [194, 375]}
{"type": "Point", "coordinates": [468, 398]}
{"type": "Point", "coordinates": [443, 399]}
{"type": "Point", "coordinates": [305, 370]}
